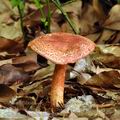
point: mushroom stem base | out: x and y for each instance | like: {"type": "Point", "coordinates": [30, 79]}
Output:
{"type": "Point", "coordinates": [57, 87]}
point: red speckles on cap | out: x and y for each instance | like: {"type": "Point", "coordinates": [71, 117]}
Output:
{"type": "Point", "coordinates": [62, 48]}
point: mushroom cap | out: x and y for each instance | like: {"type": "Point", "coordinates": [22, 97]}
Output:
{"type": "Point", "coordinates": [62, 48]}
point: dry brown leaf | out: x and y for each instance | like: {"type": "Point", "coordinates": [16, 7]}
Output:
{"type": "Point", "coordinates": [25, 102]}
{"type": "Point", "coordinates": [59, 22]}
{"type": "Point", "coordinates": [44, 72]}
{"type": "Point", "coordinates": [11, 31]}
{"type": "Point", "coordinates": [94, 36]}
{"type": "Point", "coordinates": [116, 38]}
{"type": "Point", "coordinates": [73, 7]}
{"type": "Point", "coordinates": [116, 115]}
{"type": "Point", "coordinates": [54, 26]}
{"type": "Point", "coordinates": [3, 62]}
{"type": "Point", "coordinates": [109, 60]}
{"type": "Point", "coordinates": [98, 8]}
{"type": "Point", "coordinates": [113, 49]}
{"type": "Point", "coordinates": [88, 19]}
{"type": "Point", "coordinates": [5, 18]}
{"type": "Point", "coordinates": [35, 88]}
{"type": "Point", "coordinates": [66, 27]}
{"type": "Point", "coordinates": [104, 57]}
{"type": "Point", "coordinates": [105, 36]}
{"type": "Point", "coordinates": [84, 21]}
{"type": "Point", "coordinates": [28, 63]}
{"type": "Point", "coordinates": [108, 79]}
{"type": "Point", "coordinates": [9, 28]}
{"type": "Point", "coordinates": [99, 69]}
{"type": "Point", "coordinates": [6, 93]}
{"type": "Point", "coordinates": [10, 46]}
{"type": "Point", "coordinates": [10, 74]}
{"type": "Point", "coordinates": [113, 21]}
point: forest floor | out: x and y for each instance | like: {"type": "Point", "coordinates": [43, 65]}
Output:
{"type": "Point", "coordinates": [92, 86]}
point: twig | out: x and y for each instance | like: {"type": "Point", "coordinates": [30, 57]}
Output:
{"type": "Point", "coordinates": [21, 23]}
{"type": "Point", "coordinates": [49, 16]}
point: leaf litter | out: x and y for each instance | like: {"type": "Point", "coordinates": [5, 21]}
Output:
{"type": "Point", "coordinates": [92, 83]}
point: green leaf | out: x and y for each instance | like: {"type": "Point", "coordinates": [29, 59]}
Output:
{"type": "Point", "coordinates": [22, 6]}
{"type": "Point", "coordinates": [38, 4]}
{"type": "Point", "coordinates": [14, 3]}
{"type": "Point", "coordinates": [46, 23]}
{"type": "Point", "coordinates": [43, 20]}
{"type": "Point", "coordinates": [118, 1]}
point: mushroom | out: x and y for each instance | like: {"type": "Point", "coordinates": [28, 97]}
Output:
{"type": "Point", "coordinates": [61, 49]}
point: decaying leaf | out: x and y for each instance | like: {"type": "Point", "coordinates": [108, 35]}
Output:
{"type": "Point", "coordinates": [98, 8]}
{"type": "Point", "coordinates": [6, 93]}
{"type": "Point", "coordinates": [28, 63]}
{"type": "Point", "coordinates": [35, 88]}
{"type": "Point", "coordinates": [113, 49]}
{"type": "Point", "coordinates": [10, 46]}
{"type": "Point", "coordinates": [9, 28]}
{"type": "Point", "coordinates": [69, 8]}
{"type": "Point", "coordinates": [3, 62]}
{"type": "Point", "coordinates": [84, 19]}
{"type": "Point", "coordinates": [44, 72]}
{"type": "Point", "coordinates": [116, 115]}
{"type": "Point", "coordinates": [66, 27]}
{"type": "Point", "coordinates": [94, 36]}
{"type": "Point", "coordinates": [10, 74]}
{"type": "Point", "coordinates": [105, 36]}
{"type": "Point", "coordinates": [116, 38]}
{"type": "Point", "coordinates": [101, 69]}
{"type": "Point", "coordinates": [113, 21]}
{"type": "Point", "coordinates": [10, 31]}
{"type": "Point", "coordinates": [25, 102]}
{"type": "Point", "coordinates": [88, 19]}
{"type": "Point", "coordinates": [104, 57]}
{"type": "Point", "coordinates": [110, 79]}
{"type": "Point", "coordinates": [54, 26]}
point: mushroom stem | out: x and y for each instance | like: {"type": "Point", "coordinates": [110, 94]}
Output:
{"type": "Point", "coordinates": [57, 87]}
